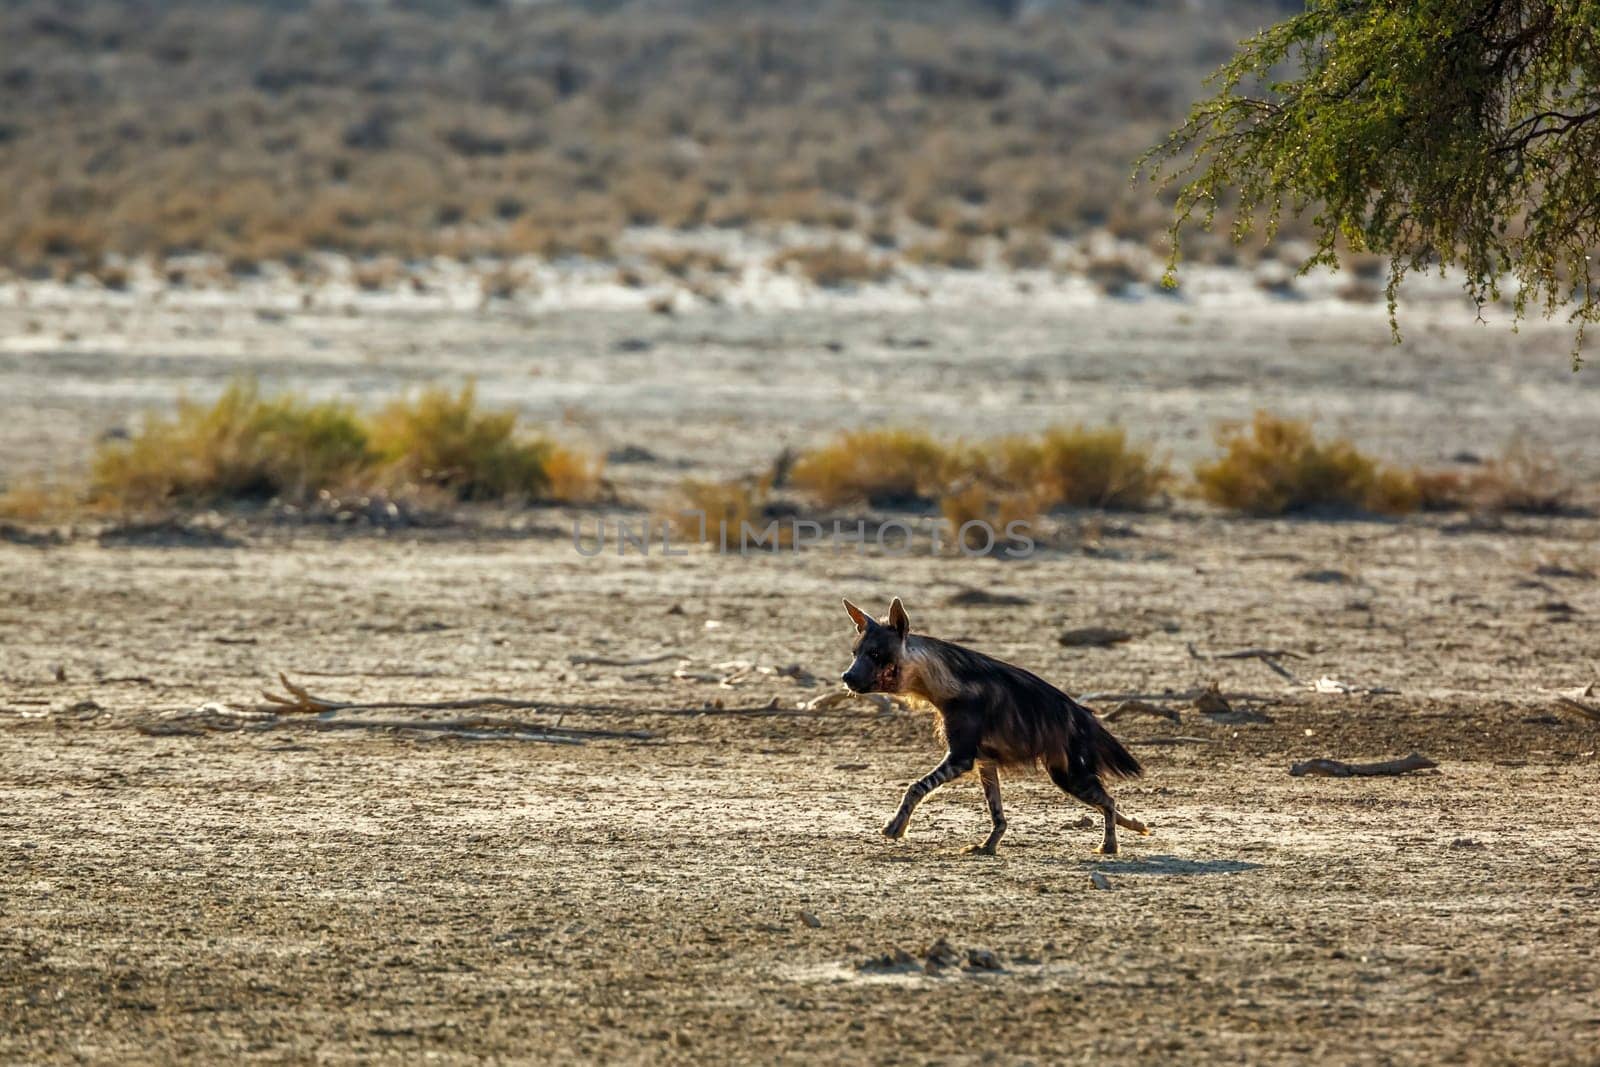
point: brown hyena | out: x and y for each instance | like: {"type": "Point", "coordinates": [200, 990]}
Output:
{"type": "Point", "coordinates": [991, 715]}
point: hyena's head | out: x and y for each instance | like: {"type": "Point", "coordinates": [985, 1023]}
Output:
{"type": "Point", "coordinates": [879, 650]}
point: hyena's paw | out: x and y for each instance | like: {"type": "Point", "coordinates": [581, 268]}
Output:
{"type": "Point", "coordinates": [1106, 849]}
{"type": "Point", "coordinates": [984, 849]}
{"type": "Point", "coordinates": [895, 828]}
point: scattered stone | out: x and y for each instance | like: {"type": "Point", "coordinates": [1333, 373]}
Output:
{"type": "Point", "coordinates": [940, 954]}
{"type": "Point", "coordinates": [1557, 570]}
{"type": "Point", "coordinates": [1325, 577]}
{"type": "Point", "coordinates": [631, 454]}
{"type": "Point", "coordinates": [1211, 702]}
{"type": "Point", "coordinates": [888, 962]}
{"type": "Point", "coordinates": [1099, 881]}
{"type": "Point", "coordinates": [811, 920]}
{"type": "Point", "coordinates": [1094, 637]}
{"type": "Point", "coordinates": [981, 959]}
{"type": "Point", "coordinates": [18, 535]}
{"type": "Point", "coordinates": [970, 597]}
{"type": "Point", "coordinates": [802, 677]}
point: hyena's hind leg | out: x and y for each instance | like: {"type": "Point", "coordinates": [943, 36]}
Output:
{"type": "Point", "coordinates": [1092, 791]}
{"type": "Point", "coordinates": [989, 774]}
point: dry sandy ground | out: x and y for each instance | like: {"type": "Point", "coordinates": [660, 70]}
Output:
{"type": "Point", "coordinates": [295, 893]}
{"type": "Point", "coordinates": [216, 888]}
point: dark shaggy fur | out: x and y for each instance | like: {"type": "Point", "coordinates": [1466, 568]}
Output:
{"type": "Point", "coordinates": [991, 715]}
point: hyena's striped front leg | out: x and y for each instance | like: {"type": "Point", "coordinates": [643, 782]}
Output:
{"type": "Point", "coordinates": [951, 767]}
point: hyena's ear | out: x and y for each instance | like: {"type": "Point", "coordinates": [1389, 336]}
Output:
{"type": "Point", "coordinates": [857, 616]}
{"type": "Point", "coordinates": [897, 618]}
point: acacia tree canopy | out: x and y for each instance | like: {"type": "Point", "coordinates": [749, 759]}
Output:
{"type": "Point", "coordinates": [1462, 133]}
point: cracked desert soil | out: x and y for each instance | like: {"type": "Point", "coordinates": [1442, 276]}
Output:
{"type": "Point", "coordinates": [717, 891]}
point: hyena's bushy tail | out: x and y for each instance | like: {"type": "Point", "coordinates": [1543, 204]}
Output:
{"type": "Point", "coordinates": [1106, 754]}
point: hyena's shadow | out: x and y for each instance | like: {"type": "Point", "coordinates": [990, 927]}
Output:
{"type": "Point", "coordinates": [1175, 866]}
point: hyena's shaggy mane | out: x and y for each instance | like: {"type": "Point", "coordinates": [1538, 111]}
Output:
{"type": "Point", "coordinates": [1025, 720]}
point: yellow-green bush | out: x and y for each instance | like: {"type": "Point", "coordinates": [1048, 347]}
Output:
{"type": "Point", "coordinates": [706, 509]}
{"type": "Point", "coordinates": [884, 468]}
{"type": "Point", "coordinates": [246, 446]}
{"type": "Point", "coordinates": [979, 502]}
{"type": "Point", "coordinates": [1078, 467]}
{"type": "Point", "coordinates": [1276, 466]}
{"type": "Point", "coordinates": [243, 446]}
{"type": "Point", "coordinates": [442, 439]}
{"type": "Point", "coordinates": [1075, 467]}
{"type": "Point", "coordinates": [32, 500]}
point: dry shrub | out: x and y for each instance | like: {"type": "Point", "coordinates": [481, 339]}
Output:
{"type": "Point", "coordinates": [1276, 466]}
{"type": "Point", "coordinates": [378, 275]}
{"type": "Point", "coordinates": [573, 477]}
{"type": "Point", "coordinates": [278, 131]}
{"type": "Point", "coordinates": [706, 509]}
{"type": "Point", "coordinates": [501, 282]}
{"type": "Point", "coordinates": [113, 276]}
{"type": "Point", "coordinates": [981, 502]}
{"type": "Point", "coordinates": [884, 468]}
{"type": "Point", "coordinates": [442, 439]}
{"type": "Point", "coordinates": [682, 262]}
{"type": "Point", "coordinates": [244, 446]}
{"type": "Point", "coordinates": [1520, 480]}
{"type": "Point", "coordinates": [1114, 274]}
{"type": "Point", "coordinates": [553, 240]}
{"type": "Point", "coordinates": [1030, 252]}
{"type": "Point", "coordinates": [249, 447]}
{"type": "Point", "coordinates": [1442, 490]}
{"type": "Point", "coordinates": [1359, 291]}
{"type": "Point", "coordinates": [34, 501]}
{"type": "Point", "coordinates": [832, 266]}
{"type": "Point", "coordinates": [955, 251]}
{"type": "Point", "coordinates": [1079, 467]}
{"type": "Point", "coordinates": [73, 240]}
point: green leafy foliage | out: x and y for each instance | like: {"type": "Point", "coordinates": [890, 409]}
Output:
{"type": "Point", "coordinates": [1436, 133]}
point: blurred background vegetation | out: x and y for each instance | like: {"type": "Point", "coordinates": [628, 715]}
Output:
{"type": "Point", "coordinates": [260, 131]}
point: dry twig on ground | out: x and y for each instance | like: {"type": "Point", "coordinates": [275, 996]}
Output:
{"type": "Point", "coordinates": [1588, 711]}
{"type": "Point", "coordinates": [1330, 768]}
{"type": "Point", "coordinates": [1269, 656]}
{"type": "Point", "coordinates": [1141, 707]}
